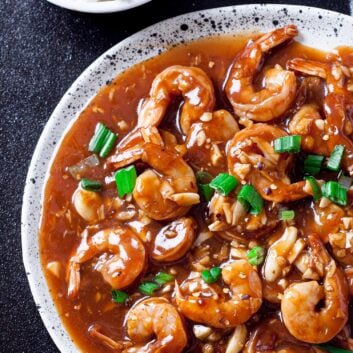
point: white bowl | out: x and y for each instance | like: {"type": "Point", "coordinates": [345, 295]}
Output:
{"type": "Point", "coordinates": [91, 6]}
{"type": "Point", "coordinates": [318, 28]}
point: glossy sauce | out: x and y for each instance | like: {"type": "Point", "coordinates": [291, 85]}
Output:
{"type": "Point", "coordinates": [61, 225]}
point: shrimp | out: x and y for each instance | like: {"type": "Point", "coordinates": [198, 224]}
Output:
{"type": "Point", "coordinates": [87, 204]}
{"type": "Point", "coordinates": [205, 140]}
{"type": "Point", "coordinates": [280, 85]}
{"type": "Point", "coordinates": [272, 336]}
{"type": "Point", "coordinates": [123, 258]}
{"type": "Point", "coordinates": [174, 240]}
{"type": "Point", "coordinates": [191, 82]}
{"type": "Point", "coordinates": [231, 220]}
{"type": "Point", "coordinates": [303, 318]}
{"type": "Point", "coordinates": [194, 297]}
{"type": "Point", "coordinates": [196, 89]}
{"type": "Point", "coordinates": [251, 158]}
{"type": "Point", "coordinates": [282, 253]}
{"type": "Point", "coordinates": [156, 317]}
{"type": "Point", "coordinates": [171, 192]}
{"type": "Point", "coordinates": [307, 123]}
{"type": "Point", "coordinates": [338, 124]}
{"type": "Point", "coordinates": [153, 326]}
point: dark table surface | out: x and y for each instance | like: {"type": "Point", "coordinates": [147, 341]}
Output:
{"type": "Point", "coordinates": [43, 49]}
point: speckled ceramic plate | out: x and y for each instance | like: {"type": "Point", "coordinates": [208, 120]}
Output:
{"type": "Point", "coordinates": [94, 6]}
{"type": "Point", "coordinates": [318, 28]}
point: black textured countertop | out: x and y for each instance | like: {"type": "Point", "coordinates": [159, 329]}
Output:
{"type": "Point", "coordinates": [43, 49]}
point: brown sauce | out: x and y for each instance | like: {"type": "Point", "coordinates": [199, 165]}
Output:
{"type": "Point", "coordinates": [61, 227]}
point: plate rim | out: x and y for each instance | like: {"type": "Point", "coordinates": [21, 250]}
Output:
{"type": "Point", "coordinates": [98, 7]}
{"type": "Point", "coordinates": [26, 205]}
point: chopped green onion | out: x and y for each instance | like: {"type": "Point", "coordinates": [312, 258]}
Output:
{"type": "Point", "coordinates": [250, 199]}
{"type": "Point", "coordinates": [335, 192]}
{"type": "Point", "coordinates": [206, 191]}
{"type": "Point", "coordinates": [224, 183]}
{"type": "Point", "coordinates": [289, 144]}
{"type": "Point", "coordinates": [333, 349]}
{"type": "Point", "coordinates": [203, 177]}
{"type": "Point", "coordinates": [98, 139]}
{"type": "Point", "coordinates": [90, 185]}
{"type": "Point", "coordinates": [125, 180]}
{"type": "Point", "coordinates": [314, 187]}
{"type": "Point", "coordinates": [212, 275]}
{"type": "Point", "coordinates": [287, 215]}
{"type": "Point", "coordinates": [216, 273]}
{"type": "Point", "coordinates": [148, 288]}
{"type": "Point", "coordinates": [335, 159]}
{"type": "Point", "coordinates": [163, 278]}
{"type": "Point", "coordinates": [119, 296]}
{"type": "Point", "coordinates": [256, 256]}
{"type": "Point", "coordinates": [345, 181]}
{"type": "Point", "coordinates": [108, 144]}
{"type": "Point", "coordinates": [312, 164]}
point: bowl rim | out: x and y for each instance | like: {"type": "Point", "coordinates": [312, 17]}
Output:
{"type": "Point", "coordinates": [109, 6]}
{"type": "Point", "coordinates": [40, 290]}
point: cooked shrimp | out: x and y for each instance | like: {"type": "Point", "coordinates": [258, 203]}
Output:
{"type": "Point", "coordinates": [302, 316]}
{"type": "Point", "coordinates": [122, 258]}
{"type": "Point", "coordinates": [307, 123]}
{"type": "Point", "coordinates": [195, 298]}
{"type": "Point", "coordinates": [338, 125]}
{"type": "Point", "coordinates": [280, 85]}
{"type": "Point", "coordinates": [272, 336]}
{"type": "Point", "coordinates": [251, 158]}
{"type": "Point", "coordinates": [282, 253]}
{"type": "Point", "coordinates": [171, 192]}
{"type": "Point", "coordinates": [87, 204]}
{"type": "Point", "coordinates": [332, 73]}
{"type": "Point", "coordinates": [231, 220]}
{"type": "Point", "coordinates": [190, 82]}
{"type": "Point", "coordinates": [155, 326]}
{"type": "Point", "coordinates": [205, 140]}
{"type": "Point", "coordinates": [174, 240]}
{"type": "Point", "coordinates": [196, 89]}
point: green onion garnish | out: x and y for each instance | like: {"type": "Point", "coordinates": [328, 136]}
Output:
{"type": "Point", "coordinates": [206, 191]}
{"type": "Point", "coordinates": [333, 349]}
{"type": "Point", "coordinates": [256, 256]}
{"type": "Point", "coordinates": [315, 187]}
{"type": "Point", "coordinates": [312, 164]}
{"type": "Point", "coordinates": [203, 177]}
{"type": "Point", "coordinates": [163, 278]}
{"type": "Point", "coordinates": [212, 275]}
{"type": "Point", "coordinates": [287, 215]}
{"type": "Point", "coordinates": [148, 288]}
{"type": "Point", "coordinates": [224, 183]}
{"type": "Point", "coordinates": [108, 144]}
{"type": "Point", "coordinates": [335, 159]}
{"type": "Point", "coordinates": [102, 141]}
{"type": "Point", "coordinates": [125, 180]}
{"type": "Point", "coordinates": [251, 199]}
{"type": "Point", "coordinates": [345, 181]}
{"type": "Point", "coordinates": [119, 296]}
{"type": "Point", "coordinates": [90, 185]}
{"type": "Point", "coordinates": [335, 192]}
{"type": "Point", "coordinates": [97, 141]}
{"type": "Point", "coordinates": [289, 144]}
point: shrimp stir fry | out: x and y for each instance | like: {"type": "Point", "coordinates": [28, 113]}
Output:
{"type": "Point", "coordinates": [218, 214]}
{"type": "Point", "coordinates": [280, 85]}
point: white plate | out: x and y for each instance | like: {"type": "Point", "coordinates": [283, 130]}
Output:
{"type": "Point", "coordinates": [91, 6]}
{"type": "Point", "coordinates": [318, 28]}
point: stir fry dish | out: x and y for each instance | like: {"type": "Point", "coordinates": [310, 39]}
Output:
{"type": "Point", "coordinates": [202, 202]}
